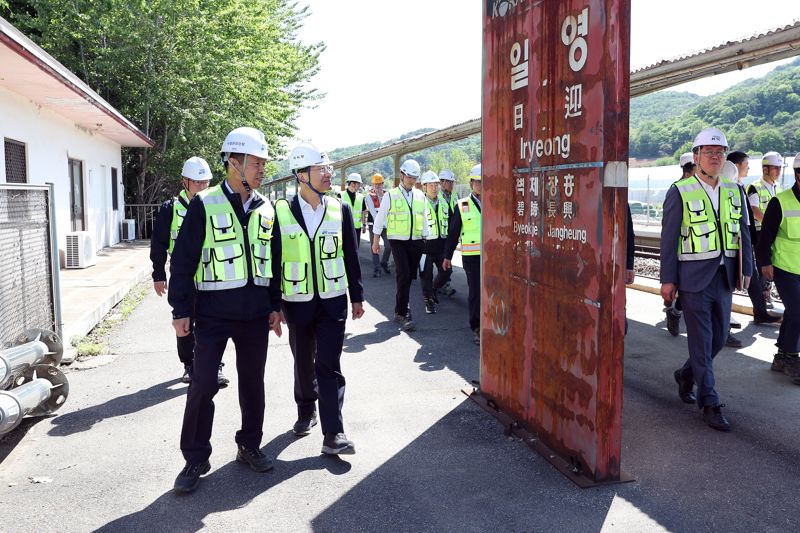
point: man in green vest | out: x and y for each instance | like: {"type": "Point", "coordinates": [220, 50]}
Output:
{"type": "Point", "coordinates": [702, 235]}
{"type": "Point", "coordinates": [225, 268]}
{"type": "Point", "coordinates": [759, 193]}
{"type": "Point", "coordinates": [402, 211]}
{"type": "Point", "coordinates": [465, 227]}
{"type": "Point", "coordinates": [437, 214]}
{"type": "Point", "coordinates": [447, 182]}
{"type": "Point", "coordinates": [319, 266]}
{"type": "Point", "coordinates": [355, 199]}
{"type": "Point", "coordinates": [779, 255]}
{"type": "Point", "coordinates": [195, 177]}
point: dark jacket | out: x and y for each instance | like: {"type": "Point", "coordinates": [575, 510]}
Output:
{"type": "Point", "coordinates": [694, 276]}
{"type": "Point", "coordinates": [305, 312]}
{"type": "Point", "coordinates": [631, 244]}
{"type": "Point", "coordinates": [244, 303]}
{"type": "Point", "coordinates": [773, 217]}
{"type": "Point", "coordinates": [159, 240]}
{"type": "Point", "coordinates": [454, 231]}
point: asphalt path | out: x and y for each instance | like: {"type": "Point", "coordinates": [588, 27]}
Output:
{"type": "Point", "coordinates": [428, 458]}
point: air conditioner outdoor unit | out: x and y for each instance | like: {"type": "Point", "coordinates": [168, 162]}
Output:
{"type": "Point", "coordinates": [128, 229]}
{"type": "Point", "coordinates": [80, 250]}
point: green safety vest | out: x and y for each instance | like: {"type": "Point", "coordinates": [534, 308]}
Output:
{"type": "Point", "coordinates": [786, 248]}
{"type": "Point", "coordinates": [470, 226]}
{"type": "Point", "coordinates": [356, 207]}
{"type": "Point", "coordinates": [230, 255]}
{"type": "Point", "coordinates": [304, 273]}
{"type": "Point", "coordinates": [452, 202]}
{"type": "Point", "coordinates": [405, 222]}
{"type": "Point", "coordinates": [178, 213]}
{"type": "Point", "coordinates": [437, 218]}
{"type": "Point", "coordinates": [700, 233]}
{"type": "Point", "coordinates": [764, 196]}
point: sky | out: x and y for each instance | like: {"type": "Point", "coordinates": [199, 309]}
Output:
{"type": "Point", "coordinates": [391, 67]}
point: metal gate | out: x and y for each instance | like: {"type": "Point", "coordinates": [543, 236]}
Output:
{"type": "Point", "coordinates": [29, 290]}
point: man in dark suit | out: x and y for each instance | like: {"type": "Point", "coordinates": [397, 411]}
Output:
{"type": "Point", "coordinates": [701, 237]}
{"type": "Point", "coordinates": [319, 265]}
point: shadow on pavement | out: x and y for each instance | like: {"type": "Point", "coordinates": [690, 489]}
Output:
{"type": "Point", "coordinates": [11, 440]}
{"type": "Point", "coordinates": [85, 419]}
{"type": "Point", "coordinates": [230, 487]}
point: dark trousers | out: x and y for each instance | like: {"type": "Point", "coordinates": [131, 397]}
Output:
{"type": "Point", "coordinates": [434, 255]}
{"type": "Point", "coordinates": [186, 345]}
{"type": "Point", "coordinates": [317, 350]}
{"type": "Point", "coordinates": [250, 339]}
{"type": "Point", "coordinates": [472, 268]}
{"type": "Point", "coordinates": [383, 259]}
{"type": "Point", "coordinates": [788, 285]}
{"type": "Point", "coordinates": [707, 314]}
{"type": "Point", "coordinates": [756, 294]}
{"type": "Point", "coordinates": [406, 262]}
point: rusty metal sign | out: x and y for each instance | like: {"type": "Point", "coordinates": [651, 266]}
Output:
{"type": "Point", "coordinates": [555, 151]}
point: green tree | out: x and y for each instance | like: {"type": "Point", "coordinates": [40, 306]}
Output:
{"type": "Point", "coordinates": [768, 139]}
{"type": "Point", "coordinates": [185, 71]}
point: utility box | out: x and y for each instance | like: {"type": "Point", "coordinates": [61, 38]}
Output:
{"type": "Point", "coordinates": [554, 168]}
{"type": "Point", "coordinates": [128, 229]}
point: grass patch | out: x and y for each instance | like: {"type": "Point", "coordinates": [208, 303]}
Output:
{"type": "Point", "coordinates": [97, 340]}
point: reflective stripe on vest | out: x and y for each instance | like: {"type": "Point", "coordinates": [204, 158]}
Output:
{"type": "Point", "coordinates": [437, 218]}
{"type": "Point", "coordinates": [230, 257]}
{"type": "Point", "coordinates": [303, 273]}
{"type": "Point", "coordinates": [786, 248]}
{"type": "Point", "coordinates": [178, 214]}
{"type": "Point", "coordinates": [405, 222]}
{"type": "Point", "coordinates": [470, 226]}
{"type": "Point", "coordinates": [764, 196]}
{"type": "Point", "coordinates": [700, 236]}
{"type": "Point", "coordinates": [355, 207]}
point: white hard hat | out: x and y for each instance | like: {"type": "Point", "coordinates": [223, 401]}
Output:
{"type": "Point", "coordinates": [796, 163]}
{"type": "Point", "coordinates": [245, 140]}
{"type": "Point", "coordinates": [475, 173]}
{"type": "Point", "coordinates": [730, 171]}
{"type": "Point", "coordinates": [306, 155]}
{"type": "Point", "coordinates": [196, 169]}
{"type": "Point", "coordinates": [710, 137]}
{"type": "Point", "coordinates": [429, 177]}
{"type": "Point", "coordinates": [773, 159]}
{"type": "Point", "coordinates": [686, 158]}
{"type": "Point", "coordinates": [447, 175]}
{"type": "Point", "coordinates": [410, 168]}
{"type": "Point", "coordinates": [355, 176]}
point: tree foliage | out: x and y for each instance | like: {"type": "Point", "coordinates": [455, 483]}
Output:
{"type": "Point", "coordinates": [185, 71]}
{"type": "Point", "coordinates": [756, 115]}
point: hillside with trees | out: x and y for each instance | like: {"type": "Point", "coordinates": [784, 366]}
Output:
{"type": "Point", "coordinates": [757, 115]}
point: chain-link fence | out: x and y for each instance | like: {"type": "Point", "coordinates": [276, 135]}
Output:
{"type": "Point", "coordinates": [28, 262]}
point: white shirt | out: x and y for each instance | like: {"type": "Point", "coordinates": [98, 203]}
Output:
{"type": "Point", "coordinates": [312, 217]}
{"type": "Point", "coordinates": [386, 203]}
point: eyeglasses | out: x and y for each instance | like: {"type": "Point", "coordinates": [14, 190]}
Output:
{"type": "Point", "coordinates": [713, 153]}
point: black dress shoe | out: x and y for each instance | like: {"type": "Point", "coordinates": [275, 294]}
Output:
{"type": "Point", "coordinates": [685, 388]}
{"type": "Point", "coordinates": [715, 419]}
{"type": "Point", "coordinates": [189, 477]}
{"type": "Point", "coordinates": [303, 425]}
{"type": "Point", "coordinates": [255, 458]}
{"type": "Point", "coordinates": [732, 341]}
{"type": "Point", "coordinates": [767, 320]}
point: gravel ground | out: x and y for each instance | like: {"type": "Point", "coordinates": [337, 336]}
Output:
{"type": "Point", "coordinates": [650, 268]}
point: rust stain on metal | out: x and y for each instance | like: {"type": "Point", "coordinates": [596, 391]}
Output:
{"type": "Point", "coordinates": [555, 114]}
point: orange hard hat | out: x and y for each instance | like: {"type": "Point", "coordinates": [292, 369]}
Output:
{"type": "Point", "coordinates": [376, 179]}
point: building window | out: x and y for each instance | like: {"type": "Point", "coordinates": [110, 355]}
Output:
{"type": "Point", "coordinates": [16, 164]}
{"type": "Point", "coordinates": [114, 189]}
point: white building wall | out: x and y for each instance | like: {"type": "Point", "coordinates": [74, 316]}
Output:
{"type": "Point", "coordinates": [51, 140]}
